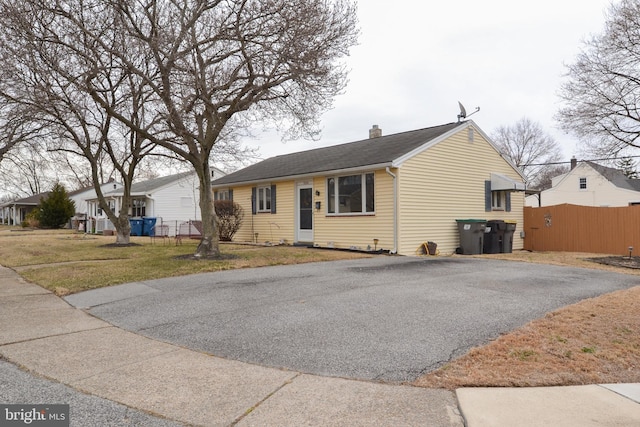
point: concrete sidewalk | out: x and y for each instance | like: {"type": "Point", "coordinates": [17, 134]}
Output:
{"type": "Point", "coordinates": [44, 335]}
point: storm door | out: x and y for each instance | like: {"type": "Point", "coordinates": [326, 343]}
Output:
{"type": "Point", "coordinates": [304, 232]}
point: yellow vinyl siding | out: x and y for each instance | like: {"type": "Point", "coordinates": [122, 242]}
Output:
{"type": "Point", "coordinates": [435, 187]}
{"type": "Point", "coordinates": [270, 227]}
{"type": "Point", "coordinates": [356, 231]}
{"type": "Point", "coordinates": [445, 183]}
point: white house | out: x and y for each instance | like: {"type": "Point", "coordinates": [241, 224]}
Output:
{"type": "Point", "coordinates": [80, 198]}
{"type": "Point", "coordinates": [589, 184]}
{"type": "Point", "coordinates": [171, 200]}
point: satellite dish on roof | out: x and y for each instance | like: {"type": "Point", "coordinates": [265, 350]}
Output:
{"type": "Point", "coordinates": [463, 112]}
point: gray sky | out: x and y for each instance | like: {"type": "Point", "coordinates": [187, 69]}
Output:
{"type": "Point", "coordinates": [416, 60]}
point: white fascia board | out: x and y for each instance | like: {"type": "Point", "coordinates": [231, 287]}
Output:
{"type": "Point", "coordinates": [400, 160]}
{"type": "Point", "coordinates": [333, 172]}
{"type": "Point", "coordinates": [469, 123]}
{"type": "Point", "coordinates": [573, 171]}
{"type": "Point", "coordinates": [495, 147]}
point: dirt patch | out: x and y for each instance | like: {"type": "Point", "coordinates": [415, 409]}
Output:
{"type": "Point", "coordinates": [618, 261]}
{"type": "Point", "coordinates": [592, 342]}
{"type": "Point", "coordinates": [219, 257]}
{"type": "Point", "coordinates": [119, 245]}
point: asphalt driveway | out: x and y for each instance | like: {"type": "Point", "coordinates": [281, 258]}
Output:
{"type": "Point", "coordinates": [383, 318]}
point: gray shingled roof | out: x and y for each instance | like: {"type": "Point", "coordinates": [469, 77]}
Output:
{"type": "Point", "coordinates": [151, 185]}
{"type": "Point", "coordinates": [635, 184]}
{"type": "Point", "coordinates": [616, 177]}
{"type": "Point", "coordinates": [374, 151]}
{"type": "Point", "coordinates": [29, 201]}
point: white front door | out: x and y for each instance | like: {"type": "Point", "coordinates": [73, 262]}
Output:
{"type": "Point", "coordinates": [304, 209]}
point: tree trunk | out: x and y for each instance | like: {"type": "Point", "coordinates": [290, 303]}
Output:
{"type": "Point", "coordinates": [123, 230]}
{"type": "Point", "coordinates": [209, 246]}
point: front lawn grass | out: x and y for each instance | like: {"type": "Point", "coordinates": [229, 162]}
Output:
{"type": "Point", "coordinates": [67, 262]}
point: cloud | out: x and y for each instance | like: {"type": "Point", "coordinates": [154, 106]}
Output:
{"type": "Point", "coordinates": [415, 61]}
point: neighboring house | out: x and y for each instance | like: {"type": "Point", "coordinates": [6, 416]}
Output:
{"type": "Point", "coordinates": [80, 197]}
{"type": "Point", "coordinates": [15, 212]}
{"type": "Point", "coordinates": [392, 192]}
{"type": "Point", "coordinates": [589, 184]}
{"type": "Point", "coordinates": [171, 200]}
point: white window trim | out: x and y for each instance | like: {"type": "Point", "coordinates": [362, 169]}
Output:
{"type": "Point", "coordinates": [501, 197]}
{"type": "Point", "coordinates": [263, 190]}
{"type": "Point", "coordinates": [138, 204]}
{"type": "Point", "coordinates": [336, 195]}
{"type": "Point", "coordinates": [586, 183]}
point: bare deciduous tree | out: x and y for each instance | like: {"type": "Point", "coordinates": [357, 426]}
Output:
{"type": "Point", "coordinates": [527, 145]}
{"type": "Point", "coordinates": [544, 179]}
{"type": "Point", "coordinates": [27, 171]}
{"type": "Point", "coordinates": [15, 127]}
{"type": "Point", "coordinates": [219, 66]}
{"type": "Point", "coordinates": [47, 61]}
{"type": "Point", "coordinates": [602, 86]}
{"type": "Point", "coordinates": [197, 73]}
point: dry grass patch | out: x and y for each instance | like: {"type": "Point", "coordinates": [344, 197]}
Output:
{"type": "Point", "coordinates": [572, 259]}
{"type": "Point", "coordinates": [592, 342]}
{"type": "Point", "coordinates": [66, 262]}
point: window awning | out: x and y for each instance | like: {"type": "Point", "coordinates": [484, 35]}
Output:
{"type": "Point", "coordinates": [504, 183]}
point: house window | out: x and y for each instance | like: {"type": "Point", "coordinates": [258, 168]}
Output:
{"type": "Point", "coordinates": [222, 195]}
{"type": "Point", "coordinates": [583, 183]}
{"type": "Point", "coordinates": [138, 207]}
{"type": "Point", "coordinates": [351, 194]}
{"type": "Point", "coordinates": [264, 199]}
{"type": "Point", "coordinates": [498, 200]}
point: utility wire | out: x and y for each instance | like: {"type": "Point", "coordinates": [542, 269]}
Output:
{"type": "Point", "coordinates": [569, 162]}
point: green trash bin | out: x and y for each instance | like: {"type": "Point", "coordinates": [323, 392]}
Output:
{"type": "Point", "coordinates": [510, 228]}
{"type": "Point", "coordinates": [471, 235]}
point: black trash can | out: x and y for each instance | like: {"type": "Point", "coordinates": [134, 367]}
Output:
{"type": "Point", "coordinates": [510, 228]}
{"type": "Point", "coordinates": [494, 237]}
{"type": "Point", "coordinates": [471, 235]}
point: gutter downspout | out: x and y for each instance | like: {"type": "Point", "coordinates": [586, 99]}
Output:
{"type": "Point", "coordinates": [395, 210]}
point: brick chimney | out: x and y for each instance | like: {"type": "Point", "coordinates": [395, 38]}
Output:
{"type": "Point", "coordinates": [375, 132]}
{"type": "Point", "coordinates": [574, 162]}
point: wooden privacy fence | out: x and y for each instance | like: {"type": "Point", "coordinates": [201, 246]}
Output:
{"type": "Point", "coordinates": [573, 228]}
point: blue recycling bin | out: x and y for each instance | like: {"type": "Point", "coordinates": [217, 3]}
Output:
{"type": "Point", "coordinates": [148, 225]}
{"type": "Point", "coordinates": [136, 227]}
